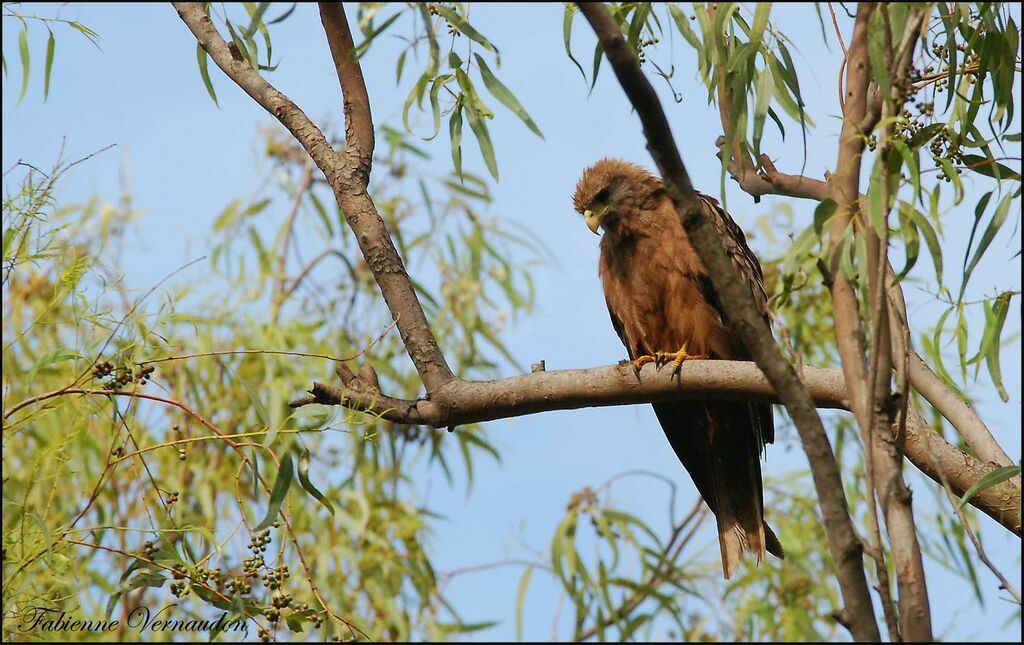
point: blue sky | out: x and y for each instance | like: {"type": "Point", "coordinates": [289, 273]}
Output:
{"type": "Point", "coordinates": [187, 159]}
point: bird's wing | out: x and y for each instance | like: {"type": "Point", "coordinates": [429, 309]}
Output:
{"type": "Point", "coordinates": [736, 246]}
{"type": "Point", "coordinates": [749, 267]}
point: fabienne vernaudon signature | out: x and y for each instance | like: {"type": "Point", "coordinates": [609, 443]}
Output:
{"type": "Point", "coordinates": [142, 619]}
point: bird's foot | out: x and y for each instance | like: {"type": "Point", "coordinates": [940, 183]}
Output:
{"type": "Point", "coordinates": [677, 359]}
{"type": "Point", "coordinates": [640, 361]}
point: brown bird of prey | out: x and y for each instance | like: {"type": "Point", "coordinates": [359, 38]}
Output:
{"type": "Point", "coordinates": [664, 309]}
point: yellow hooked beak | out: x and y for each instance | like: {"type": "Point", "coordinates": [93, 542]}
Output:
{"type": "Point", "coordinates": [594, 218]}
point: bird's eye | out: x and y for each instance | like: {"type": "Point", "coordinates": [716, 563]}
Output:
{"type": "Point", "coordinates": [602, 196]}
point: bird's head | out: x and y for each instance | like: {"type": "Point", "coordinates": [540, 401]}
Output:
{"type": "Point", "coordinates": [609, 190]}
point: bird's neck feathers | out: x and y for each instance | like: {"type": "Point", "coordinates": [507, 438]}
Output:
{"type": "Point", "coordinates": [638, 218]}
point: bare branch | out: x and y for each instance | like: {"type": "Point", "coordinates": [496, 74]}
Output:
{"type": "Point", "coordinates": [746, 320]}
{"type": "Point", "coordinates": [477, 401]}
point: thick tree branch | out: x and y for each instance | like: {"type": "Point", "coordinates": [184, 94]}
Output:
{"type": "Point", "coordinates": [371, 234]}
{"type": "Point", "coordinates": [846, 183]}
{"type": "Point", "coordinates": [468, 402]}
{"type": "Point", "coordinates": [869, 375]}
{"type": "Point", "coordinates": [746, 320]}
{"type": "Point", "coordinates": [347, 175]}
{"type": "Point", "coordinates": [355, 101]}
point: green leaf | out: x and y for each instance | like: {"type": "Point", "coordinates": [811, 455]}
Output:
{"type": "Point", "coordinates": [961, 333]}
{"type": "Point", "coordinates": [924, 226]}
{"type": "Point", "coordinates": [979, 213]}
{"type": "Point", "coordinates": [757, 28]}
{"type": "Point", "coordinates": [933, 347]}
{"type": "Point", "coordinates": [279, 491]}
{"type": "Point", "coordinates": [793, 82]}
{"type": "Point", "coordinates": [924, 135]}
{"type": "Point", "coordinates": [911, 240]}
{"type": "Point", "coordinates": [558, 545]}
{"type": "Point", "coordinates": [435, 107]}
{"type": "Point", "coordinates": [457, 21]}
{"type": "Point", "coordinates": [285, 15]}
{"type": "Point", "coordinates": [254, 399]}
{"type": "Point", "coordinates": [256, 24]}
{"type": "Point", "coordinates": [990, 479]}
{"type": "Point", "coordinates": [50, 45]}
{"type": "Point", "coordinates": [56, 356]}
{"type": "Point", "coordinates": [879, 53]}
{"type": "Point", "coordinates": [990, 168]}
{"type": "Point", "coordinates": [990, 343]}
{"type": "Point", "coordinates": [626, 519]}
{"type": "Point", "coordinates": [454, 60]}
{"type": "Point", "coordinates": [683, 25]}
{"type": "Point", "coordinates": [524, 582]}
{"type": "Point", "coordinates": [204, 72]}
{"type": "Point", "coordinates": [25, 61]}
{"type": "Point", "coordinates": [455, 134]}
{"type": "Point", "coordinates": [502, 93]}
{"type": "Point", "coordinates": [247, 53]}
{"type": "Point", "coordinates": [598, 56]}
{"type": "Point", "coordinates": [377, 31]}
{"type": "Point", "coordinates": [958, 192]}
{"type": "Point", "coordinates": [822, 214]}
{"type": "Point", "coordinates": [778, 122]}
{"type": "Point", "coordinates": [146, 578]}
{"type": "Point", "coordinates": [308, 485]}
{"type": "Point", "coordinates": [908, 158]}
{"type": "Point", "coordinates": [415, 96]}
{"type": "Point", "coordinates": [464, 628]}
{"type": "Point", "coordinates": [470, 96]}
{"type": "Point", "coordinates": [483, 139]}
{"type": "Point", "coordinates": [765, 83]}
{"type": "Point", "coordinates": [951, 49]}
{"type": "Point", "coordinates": [399, 66]}
{"type": "Point", "coordinates": [567, 18]}
{"type": "Point", "coordinates": [998, 218]}
{"type": "Point", "coordinates": [798, 252]}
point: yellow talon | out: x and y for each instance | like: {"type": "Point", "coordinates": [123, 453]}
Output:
{"type": "Point", "coordinates": [641, 361]}
{"type": "Point", "coordinates": [678, 358]}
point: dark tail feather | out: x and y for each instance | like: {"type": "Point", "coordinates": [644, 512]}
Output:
{"type": "Point", "coordinates": [772, 543]}
{"type": "Point", "coordinates": [721, 450]}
